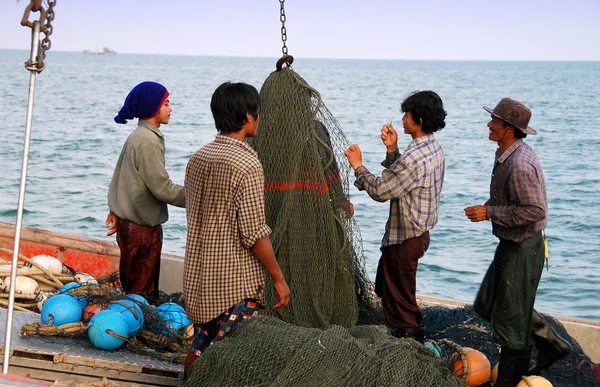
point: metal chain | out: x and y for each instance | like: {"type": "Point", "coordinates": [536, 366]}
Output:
{"type": "Point", "coordinates": [45, 19]}
{"type": "Point", "coordinates": [284, 49]}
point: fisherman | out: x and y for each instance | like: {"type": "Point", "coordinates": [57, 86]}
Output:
{"type": "Point", "coordinates": [228, 246]}
{"type": "Point", "coordinates": [412, 182]}
{"type": "Point", "coordinates": [517, 208]}
{"type": "Point", "coordinates": [141, 189]}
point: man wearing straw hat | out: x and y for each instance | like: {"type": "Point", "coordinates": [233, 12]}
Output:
{"type": "Point", "coordinates": [517, 208]}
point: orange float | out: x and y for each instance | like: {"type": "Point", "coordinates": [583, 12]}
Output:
{"type": "Point", "coordinates": [534, 381]}
{"type": "Point", "coordinates": [91, 309]}
{"type": "Point", "coordinates": [472, 366]}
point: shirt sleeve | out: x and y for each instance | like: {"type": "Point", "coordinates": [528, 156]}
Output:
{"type": "Point", "coordinates": [526, 192]}
{"type": "Point", "coordinates": [390, 158]}
{"type": "Point", "coordinates": [394, 182]}
{"type": "Point", "coordinates": [250, 203]}
{"type": "Point", "coordinates": [152, 170]}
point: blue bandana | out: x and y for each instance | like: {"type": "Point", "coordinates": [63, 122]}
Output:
{"type": "Point", "coordinates": [143, 101]}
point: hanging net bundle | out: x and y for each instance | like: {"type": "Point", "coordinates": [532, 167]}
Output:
{"type": "Point", "coordinates": [316, 242]}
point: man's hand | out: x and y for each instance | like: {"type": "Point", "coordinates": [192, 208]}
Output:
{"type": "Point", "coordinates": [389, 137]}
{"type": "Point", "coordinates": [349, 208]}
{"type": "Point", "coordinates": [476, 213]}
{"type": "Point", "coordinates": [283, 294]}
{"type": "Point", "coordinates": [354, 156]}
{"type": "Point", "coordinates": [111, 222]}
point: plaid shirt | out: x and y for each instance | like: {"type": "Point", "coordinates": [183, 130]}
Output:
{"type": "Point", "coordinates": [518, 205]}
{"type": "Point", "coordinates": [413, 183]}
{"type": "Point", "coordinates": [224, 192]}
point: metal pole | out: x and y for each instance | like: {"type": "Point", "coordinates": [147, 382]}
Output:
{"type": "Point", "coordinates": [35, 44]}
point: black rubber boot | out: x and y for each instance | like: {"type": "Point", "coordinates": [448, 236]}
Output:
{"type": "Point", "coordinates": [513, 365]}
{"type": "Point", "coordinates": [551, 347]}
{"type": "Point", "coordinates": [417, 333]}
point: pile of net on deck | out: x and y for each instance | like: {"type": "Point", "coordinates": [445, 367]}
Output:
{"type": "Point", "coordinates": [333, 333]}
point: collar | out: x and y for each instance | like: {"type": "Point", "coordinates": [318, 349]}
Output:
{"type": "Point", "coordinates": [148, 125]}
{"type": "Point", "coordinates": [421, 140]}
{"type": "Point", "coordinates": [511, 149]}
{"type": "Point", "coordinates": [222, 139]}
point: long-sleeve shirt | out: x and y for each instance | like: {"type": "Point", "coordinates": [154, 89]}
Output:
{"type": "Point", "coordinates": [412, 182]}
{"type": "Point", "coordinates": [518, 203]}
{"type": "Point", "coordinates": [140, 188]}
{"type": "Point", "coordinates": [225, 209]}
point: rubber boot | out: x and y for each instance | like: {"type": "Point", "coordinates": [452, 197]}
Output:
{"type": "Point", "coordinates": [417, 333]}
{"type": "Point", "coordinates": [551, 347]}
{"type": "Point", "coordinates": [513, 365]}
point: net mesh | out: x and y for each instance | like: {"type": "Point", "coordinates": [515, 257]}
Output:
{"type": "Point", "coordinates": [316, 242]}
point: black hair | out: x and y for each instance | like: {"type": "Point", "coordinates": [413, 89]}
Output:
{"type": "Point", "coordinates": [427, 109]}
{"type": "Point", "coordinates": [518, 132]}
{"type": "Point", "coordinates": [231, 102]}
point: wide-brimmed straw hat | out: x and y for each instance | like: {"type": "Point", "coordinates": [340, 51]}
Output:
{"type": "Point", "coordinates": [513, 112]}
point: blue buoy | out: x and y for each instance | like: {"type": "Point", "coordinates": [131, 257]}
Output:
{"type": "Point", "coordinates": [108, 330]}
{"type": "Point", "coordinates": [131, 312]}
{"type": "Point", "coordinates": [177, 322]}
{"type": "Point", "coordinates": [63, 309]}
{"type": "Point", "coordinates": [138, 298]}
{"type": "Point", "coordinates": [169, 307]}
{"type": "Point", "coordinates": [68, 288]}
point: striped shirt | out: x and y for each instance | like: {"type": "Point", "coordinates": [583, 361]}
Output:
{"type": "Point", "coordinates": [225, 209]}
{"type": "Point", "coordinates": [518, 205]}
{"type": "Point", "coordinates": [412, 182]}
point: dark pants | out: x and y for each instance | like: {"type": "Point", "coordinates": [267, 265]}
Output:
{"type": "Point", "coordinates": [507, 293]}
{"type": "Point", "coordinates": [139, 267]}
{"type": "Point", "coordinates": [396, 281]}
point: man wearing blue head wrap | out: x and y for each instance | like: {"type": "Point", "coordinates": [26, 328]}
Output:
{"type": "Point", "coordinates": [141, 189]}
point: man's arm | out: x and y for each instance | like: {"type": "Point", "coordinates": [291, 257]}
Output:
{"type": "Point", "coordinates": [263, 251]}
{"type": "Point", "coordinates": [526, 192]}
{"type": "Point", "coordinates": [152, 170]}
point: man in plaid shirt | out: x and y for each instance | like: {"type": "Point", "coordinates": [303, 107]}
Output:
{"type": "Point", "coordinates": [517, 208]}
{"type": "Point", "coordinates": [412, 182]}
{"type": "Point", "coordinates": [228, 246]}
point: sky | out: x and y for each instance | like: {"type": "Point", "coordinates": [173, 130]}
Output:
{"type": "Point", "coordinates": [564, 30]}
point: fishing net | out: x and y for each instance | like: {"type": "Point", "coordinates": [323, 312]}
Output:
{"type": "Point", "coordinates": [463, 327]}
{"type": "Point", "coordinates": [316, 242]}
{"type": "Point", "coordinates": [269, 352]}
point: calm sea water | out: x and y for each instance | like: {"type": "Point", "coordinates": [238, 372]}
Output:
{"type": "Point", "coordinates": [75, 144]}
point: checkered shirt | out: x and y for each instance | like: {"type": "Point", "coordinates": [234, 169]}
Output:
{"type": "Point", "coordinates": [412, 182]}
{"type": "Point", "coordinates": [518, 204]}
{"type": "Point", "coordinates": [224, 190]}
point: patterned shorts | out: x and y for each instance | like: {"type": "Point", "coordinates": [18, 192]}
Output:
{"type": "Point", "coordinates": [209, 333]}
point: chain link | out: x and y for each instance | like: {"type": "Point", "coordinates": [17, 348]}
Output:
{"type": "Point", "coordinates": [284, 49]}
{"type": "Point", "coordinates": [45, 19]}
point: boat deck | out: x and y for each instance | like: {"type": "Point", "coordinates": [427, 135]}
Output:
{"type": "Point", "coordinates": [75, 359]}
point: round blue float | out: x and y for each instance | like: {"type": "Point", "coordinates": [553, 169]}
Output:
{"type": "Point", "coordinates": [168, 307]}
{"type": "Point", "coordinates": [176, 321]}
{"type": "Point", "coordinates": [131, 312]}
{"type": "Point", "coordinates": [101, 326]}
{"type": "Point", "coordinates": [68, 288]}
{"type": "Point", "coordinates": [138, 298]}
{"type": "Point", "coordinates": [64, 309]}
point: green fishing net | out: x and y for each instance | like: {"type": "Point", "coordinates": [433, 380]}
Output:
{"type": "Point", "coordinates": [316, 242]}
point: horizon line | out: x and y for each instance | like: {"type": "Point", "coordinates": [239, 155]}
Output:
{"type": "Point", "coordinates": [326, 58]}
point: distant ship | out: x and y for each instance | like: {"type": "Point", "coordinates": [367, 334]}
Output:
{"type": "Point", "coordinates": [105, 51]}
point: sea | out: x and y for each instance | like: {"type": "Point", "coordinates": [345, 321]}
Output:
{"type": "Point", "coordinates": [75, 144]}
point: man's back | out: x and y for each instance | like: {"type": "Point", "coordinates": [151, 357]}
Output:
{"type": "Point", "coordinates": [225, 211]}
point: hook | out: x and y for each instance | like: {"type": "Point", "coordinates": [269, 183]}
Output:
{"type": "Point", "coordinates": [287, 59]}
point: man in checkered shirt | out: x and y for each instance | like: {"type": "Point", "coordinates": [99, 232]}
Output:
{"type": "Point", "coordinates": [412, 182]}
{"type": "Point", "coordinates": [517, 208]}
{"type": "Point", "coordinates": [228, 246]}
